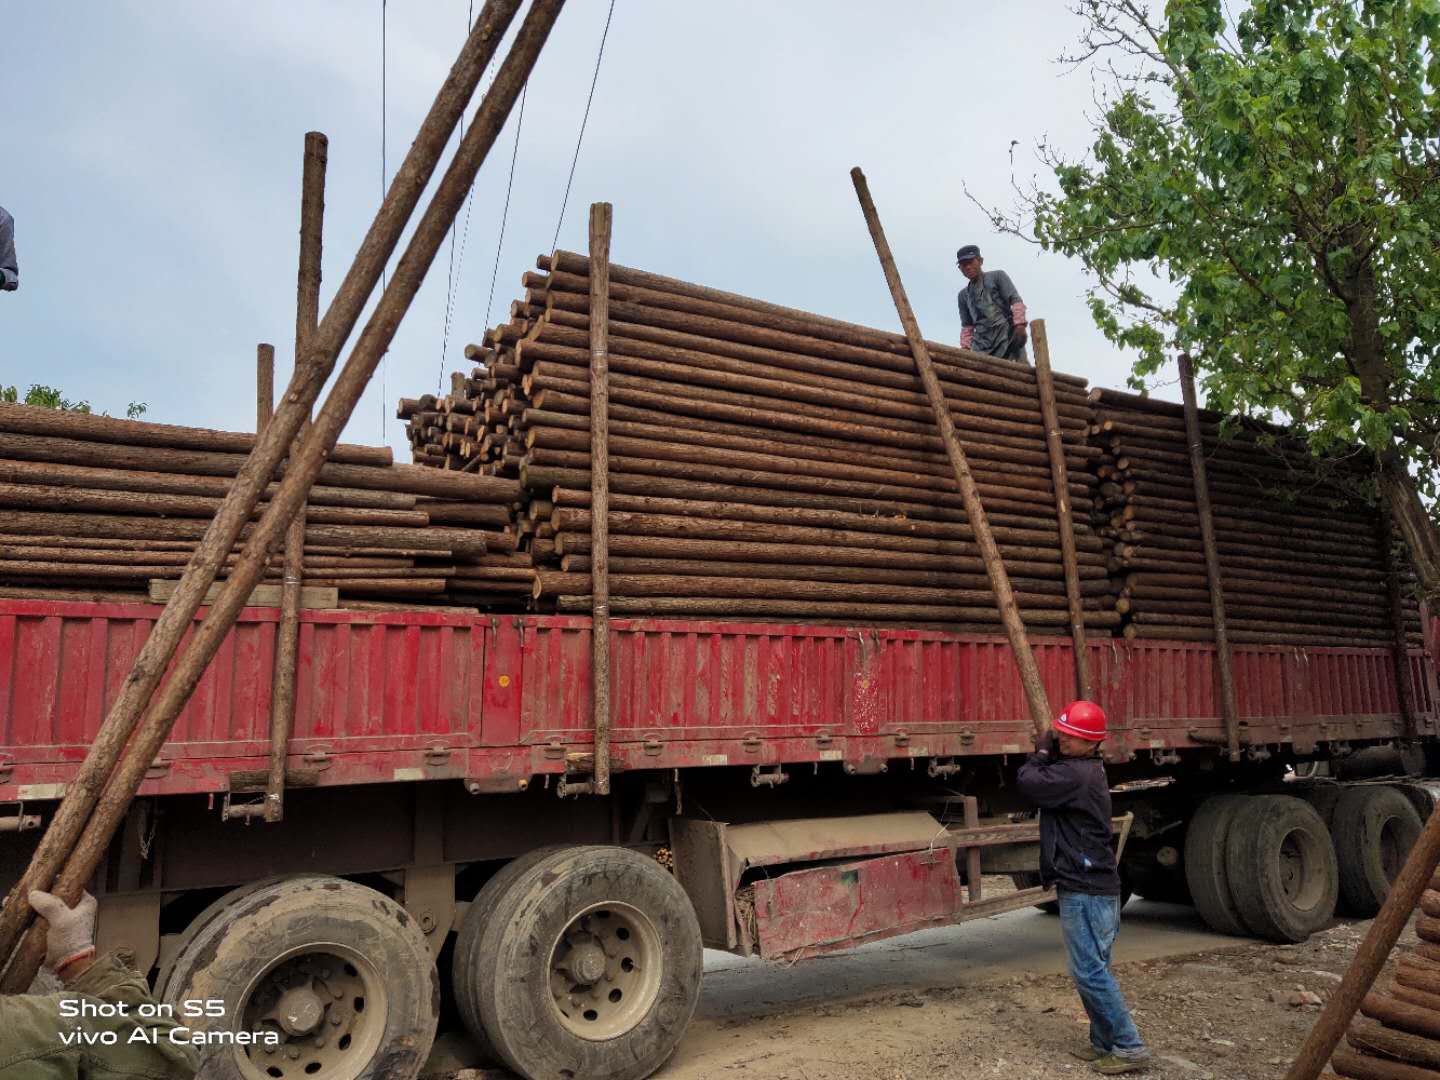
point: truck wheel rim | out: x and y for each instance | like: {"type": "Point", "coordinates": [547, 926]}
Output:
{"type": "Point", "coordinates": [605, 971]}
{"type": "Point", "coordinates": [326, 1002]}
{"type": "Point", "coordinates": [1299, 855]}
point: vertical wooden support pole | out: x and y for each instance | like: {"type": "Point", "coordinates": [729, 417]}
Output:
{"type": "Point", "coordinates": [1370, 957]}
{"type": "Point", "coordinates": [964, 480]}
{"type": "Point", "coordinates": [1196, 440]}
{"type": "Point", "coordinates": [1399, 645]}
{"type": "Point", "coordinates": [264, 385]}
{"type": "Point", "coordinates": [972, 855]}
{"type": "Point", "coordinates": [600, 222]}
{"type": "Point", "coordinates": [307, 317]}
{"type": "Point", "coordinates": [1060, 480]}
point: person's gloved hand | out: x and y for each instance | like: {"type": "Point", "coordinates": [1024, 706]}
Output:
{"type": "Point", "coordinates": [71, 933]}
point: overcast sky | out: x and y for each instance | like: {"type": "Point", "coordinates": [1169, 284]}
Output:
{"type": "Point", "coordinates": [151, 158]}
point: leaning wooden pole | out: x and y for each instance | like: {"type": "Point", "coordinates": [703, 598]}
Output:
{"type": "Point", "coordinates": [600, 222]}
{"type": "Point", "coordinates": [60, 844]}
{"type": "Point", "coordinates": [1060, 479]}
{"type": "Point", "coordinates": [287, 637]}
{"type": "Point", "coordinates": [1400, 645]}
{"type": "Point", "coordinates": [1370, 957]}
{"type": "Point", "coordinates": [264, 385]}
{"type": "Point", "coordinates": [1196, 438]}
{"type": "Point", "coordinates": [974, 510]}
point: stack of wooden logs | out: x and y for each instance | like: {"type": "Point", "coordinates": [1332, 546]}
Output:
{"type": "Point", "coordinates": [1397, 1035]}
{"type": "Point", "coordinates": [1302, 555]}
{"type": "Point", "coordinates": [764, 462]}
{"type": "Point", "coordinates": [98, 508]}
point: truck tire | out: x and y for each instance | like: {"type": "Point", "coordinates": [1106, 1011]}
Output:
{"type": "Point", "coordinates": [1205, 873]}
{"type": "Point", "coordinates": [1374, 828]}
{"type": "Point", "coordinates": [339, 972]}
{"type": "Point", "coordinates": [566, 928]}
{"type": "Point", "coordinates": [465, 963]}
{"type": "Point", "coordinates": [1281, 867]}
{"type": "Point", "coordinates": [197, 924]}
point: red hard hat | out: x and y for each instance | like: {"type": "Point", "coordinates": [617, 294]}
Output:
{"type": "Point", "coordinates": [1083, 719]}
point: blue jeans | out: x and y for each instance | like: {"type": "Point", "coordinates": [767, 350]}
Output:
{"type": "Point", "coordinates": [1089, 924]}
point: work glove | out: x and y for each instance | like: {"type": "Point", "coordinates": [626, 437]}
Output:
{"type": "Point", "coordinates": [71, 933]}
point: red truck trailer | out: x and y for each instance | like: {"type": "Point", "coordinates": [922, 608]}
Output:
{"type": "Point", "coordinates": [779, 791]}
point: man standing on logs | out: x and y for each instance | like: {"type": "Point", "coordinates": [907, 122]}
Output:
{"type": "Point", "coordinates": [1067, 782]}
{"type": "Point", "coordinates": [992, 315]}
{"type": "Point", "coordinates": [9, 268]}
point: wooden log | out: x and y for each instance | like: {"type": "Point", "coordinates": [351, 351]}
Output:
{"type": "Point", "coordinates": [1369, 1037]}
{"type": "Point", "coordinates": [457, 541]}
{"type": "Point", "coordinates": [661, 525]}
{"type": "Point", "coordinates": [574, 417]}
{"type": "Point", "coordinates": [683, 445]}
{"type": "Point", "coordinates": [1045, 389]}
{"type": "Point", "coordinates": [55, 499]}
{"type": "Point", "coordinates": [739, 584]}
{"type": "Point", "coordinates": [31, 420]}
{"type": "Point", "coordinates": [546, 478]}
{"type": "Point", "coordinates": [412, 479]}
{"type": "Point", "coordinates": [94, 478]}
{"type": "Point", "coordinates": [1339, 640]}
{"type": "Point", "coordinates": [664, 547]}
{"type": "Point", "coordinates": [1428, 1001]}
{"type": "Point", "coordinates": [599, 361]}
{"type": "Point", "coordinates": [580, 564]}
{"type": "Point", "coordinates": [1347, 1063]}
{"type": "Point", "coordinates": [756, 411]}
{"type": "Point", "coordinates": [786, 399]}
{"type": "Point", "coordinates": [1009, 612]}
{"type": "Point", "coordinates": [1418, 973]}
{"type": "Point", "coordinates": [1385, 538]}
{"type": "Point", "coordinates": [264, 385]}
{"type": "Point", "coordinates": [669, 606]}
{"type": "Point", "coordinates": [76, 595]}
{"type": "Point", "coordinates": [1030, 532]}
{"type": "Point", "coordinates": [833, 481]}
{"type": "Point", "coordinates": [448, 512]}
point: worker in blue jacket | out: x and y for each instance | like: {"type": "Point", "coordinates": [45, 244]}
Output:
{"type": "Point", "coordinates": [1067, 782]}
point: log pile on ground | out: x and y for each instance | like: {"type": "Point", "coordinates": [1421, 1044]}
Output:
{"type": "Point", "coordinates": [1301, 554]}
{"type": "Point", "coordinates": [765, 462]}
{"type": "Point", "coordinates": [1397, 1034]}
{"type": "Point", "coordinates": [96, 507]}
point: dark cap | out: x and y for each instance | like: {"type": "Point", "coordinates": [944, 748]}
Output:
{"type": "Point", "coordinates": [969, 251]}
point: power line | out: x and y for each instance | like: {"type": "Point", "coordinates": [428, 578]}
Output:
{"type": "Point", "coordinates": [385, 360]}
{"type": "Point", "coordinates": [584, 120]}
{"type": "Point", "coordinates": [450, 282]}
{"type": "Point", "coordinates": [505, 214]}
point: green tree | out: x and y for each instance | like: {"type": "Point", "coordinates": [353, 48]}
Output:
{"type": "Point", "coordinates": [1263, 190]}
{"type": "Point", "coordinates": [48, 397]}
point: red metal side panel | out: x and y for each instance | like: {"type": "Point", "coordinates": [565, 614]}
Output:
{"type": "Point", "coordinates": [851, 902]}
{"type": "Point", "coordinates": [379, 696]}
{"type": "Point", "coordinates": [418, 694]}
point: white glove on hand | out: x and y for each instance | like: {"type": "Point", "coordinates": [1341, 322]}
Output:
{"type": "Point", "coordinates": [71, 933]}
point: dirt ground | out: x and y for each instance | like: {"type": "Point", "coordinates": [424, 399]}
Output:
{"type": "Point", "coordinates": [1235, 1012]}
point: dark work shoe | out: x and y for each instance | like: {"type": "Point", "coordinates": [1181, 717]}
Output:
{"type": "Point", "coordinates": [1087, 1052]}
